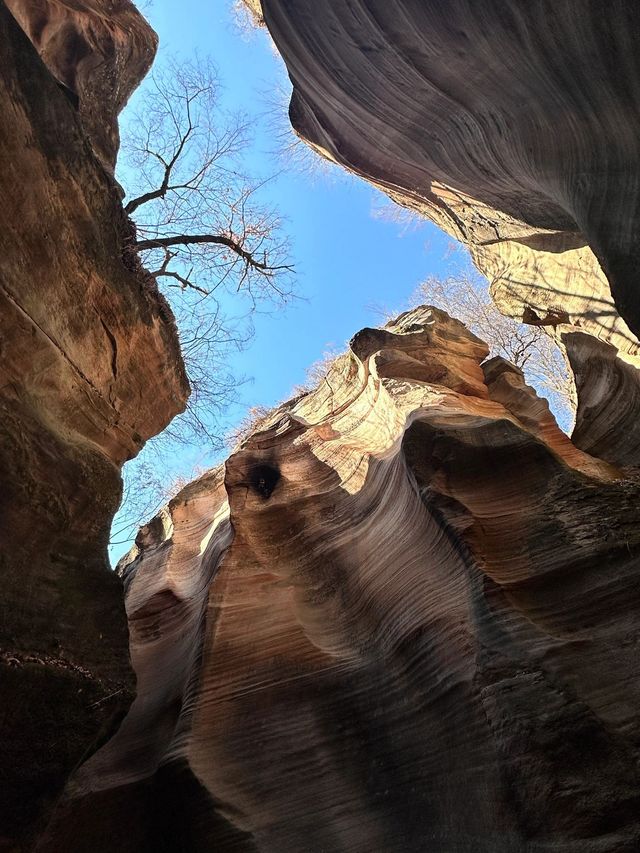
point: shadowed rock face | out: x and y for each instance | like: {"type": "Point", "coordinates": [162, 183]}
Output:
{"type": "Point", "coordinates": [98, 51]}
{"type": "Point", "coordinates": [403, 616]}
{"type": "Point", "coordinates": [89, 369]}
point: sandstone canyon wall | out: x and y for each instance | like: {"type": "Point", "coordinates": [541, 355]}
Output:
{"type": "Point", "coordinates": [515, 127]}
{"type": "Point", "coordinates": [403, 616]}
{"type": "Point", "coordinates": [98, 51]}
{"type": "Point", "coordinates": [90, 368]}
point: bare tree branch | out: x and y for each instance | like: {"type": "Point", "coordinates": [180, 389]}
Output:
{"type": "Point", "coordinates": [195, 197]}
{"type": "Point", "coordinates": [164, 187]}
{"type": "Point", "coordinates": [208, 237]}
{"type": "Point", "coordinates": [214, 239]}
{"type": "Point", "coordinates": [184, 282]}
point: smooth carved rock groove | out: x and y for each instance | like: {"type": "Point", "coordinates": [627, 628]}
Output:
{"type": "Point", "coordinates": [514, 126]}
{"type": "Point", "coordinates": [90, 368]}
{"type": "Point", "coordinates": [401, 617]}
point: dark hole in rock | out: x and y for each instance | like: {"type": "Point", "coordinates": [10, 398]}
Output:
{"type": "Point", "coordinates": [264, 479]}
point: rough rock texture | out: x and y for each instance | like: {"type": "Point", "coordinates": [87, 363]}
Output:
{"type": "Point", "coordinates": [402, 617]}
{"type": "Point", "coordinates": [89, 369]}
{"type": "Point", "coordinates": [513, 126]}
{"type": "Point", "coordinates": [98, 50]}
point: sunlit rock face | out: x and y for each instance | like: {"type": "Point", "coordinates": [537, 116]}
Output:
{"type": "Point", "coordinates": [403, 616]}
{"type": "Point", "coordinates": [98, 51]}
{"type": "Point", "coordinates": [89, 369]}
{"type": "Point", "coordinates": [513, 126]}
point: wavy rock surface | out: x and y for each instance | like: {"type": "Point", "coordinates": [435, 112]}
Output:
{"type": "Point", "coordinates": [515, 127]}
{"type": "Point", "coordinates": [402, 617]}
{"type": "Point", "coordinates": [89, 369]}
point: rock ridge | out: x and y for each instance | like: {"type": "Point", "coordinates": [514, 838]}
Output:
{"type": "Point", "coordinates": [383, 623]}
{"type": "Point", "coordinates": [511, 129]}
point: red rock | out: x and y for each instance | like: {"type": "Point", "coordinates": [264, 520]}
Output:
{"type": "Point", "coordinates": [98, 51]}
{"type": "Point", "coordinates": [90, 368]}
{"type": "Point", "coordinates": [399, 618]}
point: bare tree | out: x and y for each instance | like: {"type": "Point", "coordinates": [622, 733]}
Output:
{"type": "Point", "coordinates": [466, 296]}
{"type": "Point", "coordinates": [247, 15]}
{"type": "Point", "coordinates": [195, 208]}
{"type": "Point", "coordinates": [215, 249]}
{"type": "Point", "coordinates": [149, 484]}
{"type": "Point", "coordinates": [143, 494]}
{"type": "Point", "coordinates": [200, 227]}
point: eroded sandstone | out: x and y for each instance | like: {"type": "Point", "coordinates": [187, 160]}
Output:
{"type": "Point", "coordinates": [90, 368]}
{"type": "Point", "coordinates": [98, 51]}
{"type": "Point", "coordinates": [514, 127]}
{"type": "Point", "coordinates": [402, 616]}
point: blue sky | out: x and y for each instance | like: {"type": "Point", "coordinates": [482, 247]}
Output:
{"type": "Point", "coordinates": [348, 261]}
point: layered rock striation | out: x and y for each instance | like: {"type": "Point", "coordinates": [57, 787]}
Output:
{"type": "Point", "coordinates": [90, 368]}
{"type": "Point", "coordinates": [402, 616]}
